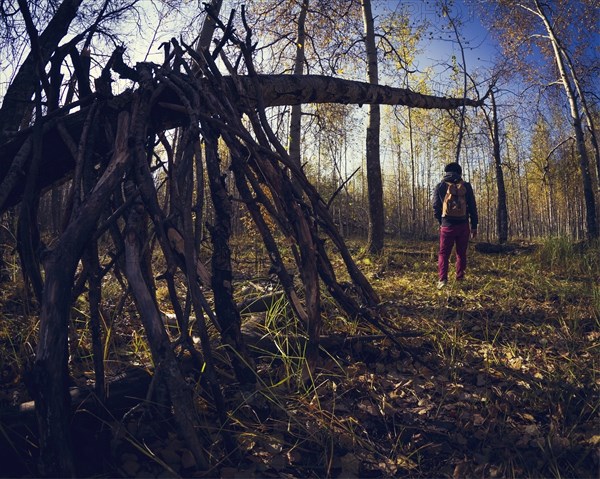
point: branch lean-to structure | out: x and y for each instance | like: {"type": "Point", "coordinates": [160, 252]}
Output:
{"type": "Point", "coordinates": [168, 112]}
{"type": "Point", "coordinates": [109, 162]}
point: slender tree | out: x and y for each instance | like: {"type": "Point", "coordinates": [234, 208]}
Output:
{"type": "Point", "coordinates": [574, 107]}
{"type": "Point", "coordinates": [296, 113]}
{"type": "Point", "coordinates": [373, 162]}
{"type": "Point", "coordinates": [492, 122]}
{"type": "Point", "coordinates": [519, 24]}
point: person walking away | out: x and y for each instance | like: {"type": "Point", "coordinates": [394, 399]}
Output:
{"type": "Point", "coordinates": [454, 207]}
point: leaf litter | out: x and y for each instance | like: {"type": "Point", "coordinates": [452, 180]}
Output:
{"type": "Point", "coordinates": [499, 378]}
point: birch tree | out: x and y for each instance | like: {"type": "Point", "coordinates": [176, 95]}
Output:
{"type": "Point", "coordinates": [533, 23]}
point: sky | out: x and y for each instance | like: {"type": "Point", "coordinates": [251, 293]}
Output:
{"type": "Point", "coordinates": [440, 45]}
{"type": "Point", "coordinates": [479, 45]}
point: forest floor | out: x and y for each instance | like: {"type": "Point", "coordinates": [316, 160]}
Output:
{"type": "Point", "coordinates": [495, 376]}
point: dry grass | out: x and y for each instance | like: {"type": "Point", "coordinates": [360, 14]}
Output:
{"type": "Point", "coordinates": [498, 377]}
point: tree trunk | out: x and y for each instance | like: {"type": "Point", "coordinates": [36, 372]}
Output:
{"type": "Point", "coordinates": [50, 371]}
{"type": "Point", "coordinates": [199, 200]}
{"type": "Point", "coordinates": [296, 115]}
{"type": "Point", "coordinates": [413, 174]}
{"type": "Point", "coordinates": [222, 276]}
{"type": "Point", "coordinates": [168, 112]}
{"type": "Point", "coordinates": [17, 99]}
{"type": "Point", "coordinates": [502, 211]}
{"type": "Point", "coordinates": [94, 298]}
{"type": "Point", "coordinates": [586, 113]}
{"type": "Point", "coordinates": [374, 180]}
{"type": "Point", "coordinates": [166, 365]}
{"type": "Point", "coordinates": [208, 27]}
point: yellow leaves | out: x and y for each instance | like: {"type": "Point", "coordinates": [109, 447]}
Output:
{"type": "Point", "coordinates": [424, 406]}
{"type": "Point", "coordinates": [516, 363]}
{"type": "Point", "coordinates": [594, 440]}
{"type": "Point", "coordinates": [526, 416]}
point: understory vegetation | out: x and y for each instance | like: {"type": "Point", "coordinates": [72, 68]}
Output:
{"type": "Point", "coordinates": [495, 376]}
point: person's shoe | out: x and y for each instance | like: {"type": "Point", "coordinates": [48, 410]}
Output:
{"type": "Point", "coordinates": [442, 283]}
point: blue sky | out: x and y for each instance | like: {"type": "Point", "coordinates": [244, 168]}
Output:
{"type": "Point", "coordinates": [439, 45]}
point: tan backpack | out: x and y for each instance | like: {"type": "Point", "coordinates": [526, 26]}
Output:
{"type": "Point", "coordinates": [455, 201]}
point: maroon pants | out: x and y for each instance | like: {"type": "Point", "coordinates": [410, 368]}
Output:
{"type": "Point", "coordinates": [449, 236]}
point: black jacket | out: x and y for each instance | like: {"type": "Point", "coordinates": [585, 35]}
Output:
{"type": "Point", "coordinates": [438, 199]}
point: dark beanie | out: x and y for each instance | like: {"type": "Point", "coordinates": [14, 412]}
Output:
{"type": "Point", "coordinates": [453, 168]}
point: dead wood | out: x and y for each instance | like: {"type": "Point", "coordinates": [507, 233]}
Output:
{"type": "Point", "coordinates": [50, 371]}
{"type": "Point", "coordinates": [17, 97]}
{"type": "Point", "coordinates": [260, 304]}
{"type": "Point", "coordinates": [124, 391]}
{"type": "Point", "coordinates": [222, 274]}
{"type": "Point", "coordinates": [162, 353]}
{"type": "Point", "coordinates": [210, 107]}
{"type": "Point", "coordinates": [504, 248]}
{"type": "Point", "coordinates": [177, 243]}
{"type": "Point", "coordinates": [169, 112]}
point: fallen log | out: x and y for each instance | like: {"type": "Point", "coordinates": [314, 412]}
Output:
{"type": "Point", "coordinates": [19, 446]}
{"type": "Point", "coordinates": [261, 303]}
{"type": "Point", "coordinates": [275, 90]}
{"type": "Point", "coordinates": [505, 248]}
{"type": "Point", "coordinates": [123, 392]}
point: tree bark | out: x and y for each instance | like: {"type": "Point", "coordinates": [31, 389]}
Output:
{"type": "Point", "coordinates": [502, 210]}
{"type": "Point", "coordinates": [222, 276]}
{"type": "Point", "coordinates": [17, 99]}
{"type": "Point", "coordinates": [296, 114]}
{"type": "Point", "coordinates": [587, 115]}
{"type": "Point", "coordinates": [94, 298]}
{"type": "Point", "coordinates": [162, 353]}
{"type": "Point", "coordinates": [584, 162]}
{"type": "Point", "coordinates": [209, 25]}
{"type": "Point", "coordinates": [50, 370]}
{"type": "Point", "coordinates": [374, 180]}
{"type": "Point", "coordinates": [169, 113]}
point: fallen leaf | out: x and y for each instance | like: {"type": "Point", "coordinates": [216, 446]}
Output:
{"type": "Point", "coordinates": [516, 363]}
{"type": "Point", "coordinates": [187, 459]}
{"type": "Point", "coordinates": [532, 430]}
{"type": "Point", "coordinates": [350, 465]}
{"type": "Point", "coordinates": [478, 419]}
{"type": "Point", "coordinates": [594, 440]}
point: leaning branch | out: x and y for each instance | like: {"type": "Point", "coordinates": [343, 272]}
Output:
{"type": "Point", "coordinates": [169, 112]}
